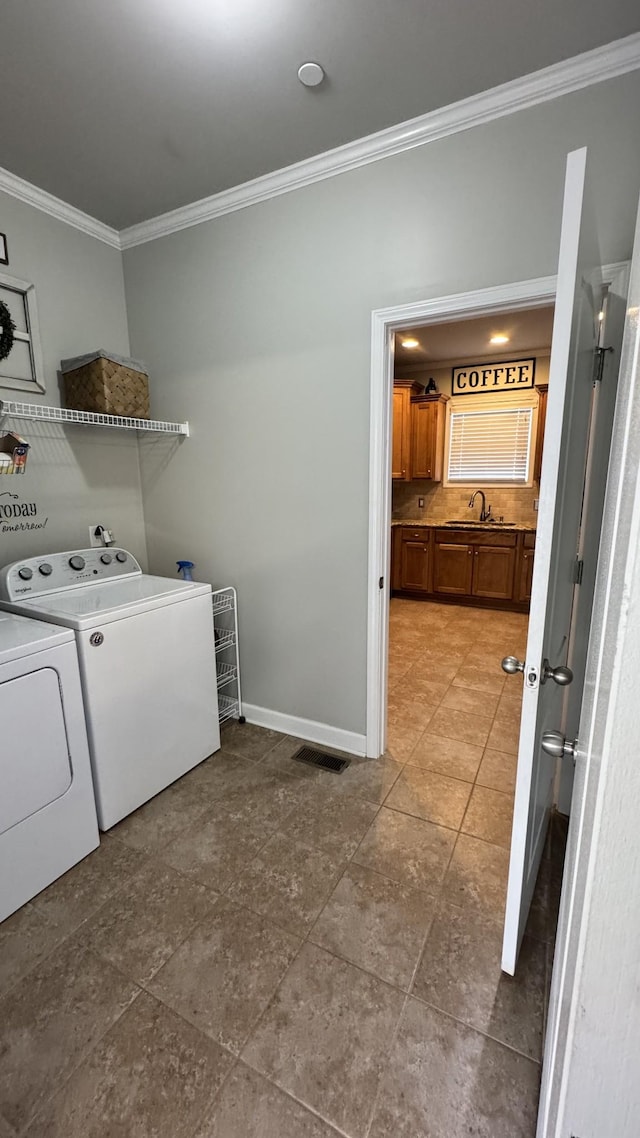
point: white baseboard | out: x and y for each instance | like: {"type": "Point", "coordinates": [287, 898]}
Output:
{"type": "Point", "coordinates": [306, 729]}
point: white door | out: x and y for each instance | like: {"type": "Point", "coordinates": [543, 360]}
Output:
{"type": "Point", "coordinates": [575, 331]}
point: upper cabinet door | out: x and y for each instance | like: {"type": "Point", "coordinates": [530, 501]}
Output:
{"type": "Point", "coordinates": [427, 436]}
{"type": "Point", "coordinates": [400, 451]}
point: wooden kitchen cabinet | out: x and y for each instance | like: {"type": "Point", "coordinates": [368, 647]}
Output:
{"type": "Point", "coordinates": [428, 414]}
{"type": "Point", "coordinates": [542, 419]}
{"type": "Point", "coordinates": [525, 569]}
{"type": "Point", "coordinates": [493, 572]}
{"type": "Point", "coordinates": [452, 567]}
{"type": "Point", "coordinates": [415, 546]}
{"type": "Point", "coordinates": [401, 434]}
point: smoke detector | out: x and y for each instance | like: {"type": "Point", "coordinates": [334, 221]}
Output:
{"type": "Point", "coordinates": [310, 74]}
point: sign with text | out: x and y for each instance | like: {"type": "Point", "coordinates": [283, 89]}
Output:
{"type": "Point", "coordinates": [477, 379]}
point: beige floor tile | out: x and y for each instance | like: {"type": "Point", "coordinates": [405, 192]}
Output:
{"type": "Point", "coordinates": [376, 923]}
{"type": "Point", "coordinates": [143, 923]}
{"type": "Point", "coordinates": [468, 728]}
{"type": "Point", "coordinates": [288, 882]}
{"type": "Point", "coordinates": [325, 1037]}
{"type": "Point", "coordinates": [224, 974]}
{"type": "Point", "coordinates": [510, 702]}
{"type": "Point", "coordinates": [407, 849]}
{"type": "Point", "coordinates": [489, 816]}
{"type": "Point", "coordinates": [81, 891]}
{"type": "Point", "coordinates": [371, 779]}
{"type": "Point", "coordinates": [248, 740]}
{"type": "Point", "coordinates": [435, 667]}
{"type": "Point", "coordinates": [498, 771]}
{"type": "Point", "coordinates": [331, 822]}
{"type": "Point", "coordinates": [505, 735]}
{"type": "Point", "coordinates": [460, 973]}
{"type": "Point", "coordinates": [470, 701]}
{"type": "Point", "coordinates": [401, 741]}
{"type": "Point", "coordinates": [25, 939]}
{"type": "Point", "coordinates": [445, 1080]}
{"type": "Point", "coordinates": [251, 1107]}
{"type": "Point", "coordinates": [50, 1020]}
{"type": "Point", "coordinates": [477, 875]}
{"type": "Point", "coordinates": [156, 823]}
{"type": "Point", "coordinates": [446, 756]}
{"type": "Point", "coordinates": [217, 848]}
{"type": "Point", "coordinates": [404, 710]}
{"type": "Point", "coordinates": [152, 1074]}
{"type": "Point", "coordinates": [479, 678]}
{"type": "Point", "coordinates": [431, 796]}
{"type": "Point", "coordinates": [416, 686]}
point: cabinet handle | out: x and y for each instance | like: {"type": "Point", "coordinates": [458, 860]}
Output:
{"type": "Point", "coordinates": [470, 552]}
{"type": "Point", "coordinates": [476, 552]}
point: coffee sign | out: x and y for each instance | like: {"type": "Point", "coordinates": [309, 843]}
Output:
{"type": "Point", "coordinates": [480, 379]}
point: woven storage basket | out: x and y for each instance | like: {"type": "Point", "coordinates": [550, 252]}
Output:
{"type": "Point", "coordinates": [108, 384]}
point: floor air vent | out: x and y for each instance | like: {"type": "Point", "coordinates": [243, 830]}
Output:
{"type": "Point", "coordinates": [320, 759]}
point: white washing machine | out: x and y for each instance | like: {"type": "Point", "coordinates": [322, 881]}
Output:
{"type": "Point", "coordinates": [47, 809]}
{"type": "Point", "coordinates": [147, 662]}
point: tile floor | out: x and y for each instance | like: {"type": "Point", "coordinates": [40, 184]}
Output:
{"type": "Point", "coordinates": [268, 951]}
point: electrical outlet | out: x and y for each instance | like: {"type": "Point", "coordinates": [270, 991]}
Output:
{"type": "Point", "coordinates": [536, 503]}
{"type": "Point", "coordinates": [94, 542]}
{"type": "Point", "coordinates": [421, 503]}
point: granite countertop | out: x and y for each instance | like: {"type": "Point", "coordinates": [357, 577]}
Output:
{"type": "Point", "coordinates": [463, 525]}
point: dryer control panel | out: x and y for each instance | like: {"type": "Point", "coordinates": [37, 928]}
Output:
{"type": "Point", "coordinates": [38, 576]}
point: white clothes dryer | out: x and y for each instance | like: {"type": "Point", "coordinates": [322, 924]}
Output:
{"type": "Point", "coordinates": [147, 663]}
{"type": "Point", "coordinates": [47, 809]}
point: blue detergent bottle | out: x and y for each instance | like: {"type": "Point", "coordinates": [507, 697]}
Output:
{"type": "Point", "coordinates": [185, 568]}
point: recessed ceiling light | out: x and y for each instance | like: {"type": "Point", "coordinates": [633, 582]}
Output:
{"type": "Point", "coordinates": [410, 343]}
{"type": "Point", "coordinates": [310, 74]}
{"type": "Point", "coordinates": [499, 339]}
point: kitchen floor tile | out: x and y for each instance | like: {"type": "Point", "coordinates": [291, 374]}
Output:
{"type": "Point", "coordinates": [479, 678]}
{"type": "Point", "coordinates": [498, 771]}
{"type": "Point", "coordinates": [445, 1080]}
{"type": "Point", "coordinates": [401, 741]}
{"type": "Point", "coordinates": [407, 849]}
{"type": "Point", "coordinates": [470, 701]}
{"type": "Point", "coordinates": [327, 1017]}
{"type": "Point", "coordinates": [505, 734]}
{"type": "Point", "coordinates": [376, 923]}
{"type": "Point", "coordinates": [217, 848]}
{"type": "Point", "coordinates": [477, 875]}
{"type": "Point", "coordinates": [468, 728]}
{"type": "Point", "coordinates": [431, 796]}
{"type": "Point", "coordinates": [152, 1074]}
{"type": "Point", "coordinates": [288, 882]}
{"type": "Point", "coordinates": [489, 816]}
{"type": "Point", "coordinates": [85, 887]}
{"type": "Point", "coordinates": [50, 1020]}
{"type": "Point", "coordinates": [251, 1107]}
{"type": "Point", "coordinates": [224, 974]}
{"type": "Point", "coordinates": [143, 923]}
{"type": "Point", "coordinates": [446, 756]}
{"type": "Point", "coordinates": [460, 973]}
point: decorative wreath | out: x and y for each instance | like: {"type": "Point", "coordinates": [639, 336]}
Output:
{"type": "Point", "coordinates": [7, 328]}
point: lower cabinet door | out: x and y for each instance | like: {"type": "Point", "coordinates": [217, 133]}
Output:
{"type": "Point", "coordinates": [525, 576]}
{"type": "Point", "coordinates": [493, 572]}
{"type": "Point", "coordinates": [452, 568]}
{"type": "Point", "coordinates": [414, 566]}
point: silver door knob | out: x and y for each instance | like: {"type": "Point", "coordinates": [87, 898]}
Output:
{"type": "Point", "coordinates": [511, 665]}
{"type": "Point", "coordinates": [555, 744]}
{"type": "Point", "coordinates": [561, 675]}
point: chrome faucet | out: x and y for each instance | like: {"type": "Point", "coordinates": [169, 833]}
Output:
{"type": "Point", "coordinates": [485, 511]}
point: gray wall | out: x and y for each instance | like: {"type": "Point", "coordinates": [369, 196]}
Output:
{"type": "Point", "coordinates": [76, 476]}
{"type": "Point", "coordinates": [257, 329]}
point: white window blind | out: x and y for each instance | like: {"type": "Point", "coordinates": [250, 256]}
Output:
{"type": "Point", "coordinates": [490, 446]}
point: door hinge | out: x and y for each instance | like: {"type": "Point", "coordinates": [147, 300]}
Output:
{"type": "Point", "coordinates": [578, 569]}
{"type": "Point", "coordinates": [381, 583]}
{"type": "Point", "coordinates": [598, 363]}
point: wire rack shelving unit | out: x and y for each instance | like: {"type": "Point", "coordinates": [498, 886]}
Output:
{"type": "Point", "coordinates": [225, 625]}
{"type": "Point", "coordinates": [11, 409]}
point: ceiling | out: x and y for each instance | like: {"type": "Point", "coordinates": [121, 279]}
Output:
{"type": "Point", "coordinates": [128, 108]}
{"type": "Point", "coordinates": [468, 340]}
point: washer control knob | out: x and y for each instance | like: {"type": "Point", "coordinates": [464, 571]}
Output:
{"type": "Point", "coordinates": [121, 556]}
{"type": "Point", "coordinates": [77, 562]}
{"type": "Point", "coordinates": [25, 573]}
{"type": "Point", "coordinates": [106, 558]}
{"type": "Point", "coordinates": [45, 569]}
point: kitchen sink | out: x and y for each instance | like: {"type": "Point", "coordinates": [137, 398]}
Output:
{"type": "Point", "coordinates": [474, 522]}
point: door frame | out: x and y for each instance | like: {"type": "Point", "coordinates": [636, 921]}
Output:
{"type": "Point", "coordinates": [533, 293]}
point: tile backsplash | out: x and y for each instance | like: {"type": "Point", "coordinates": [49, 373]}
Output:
{"type": "Point", "coordinates": [442, 503]}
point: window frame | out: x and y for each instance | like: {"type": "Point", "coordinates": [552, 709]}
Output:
{"type": "Point", "coordinates": [492, 403]}
{"type": "Point", "coordinates": [31, 337]}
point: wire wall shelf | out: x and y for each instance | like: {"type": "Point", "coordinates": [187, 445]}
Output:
{"type": "Point", "coordinates": [225, 628]}
{"type": "Point", "coordinates": [11, 409]}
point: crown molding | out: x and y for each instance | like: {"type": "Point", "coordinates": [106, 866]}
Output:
{"type": "Point", "coordinates": [573, 74]}
{"type": "Point", "coordinates": [55, 207]}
